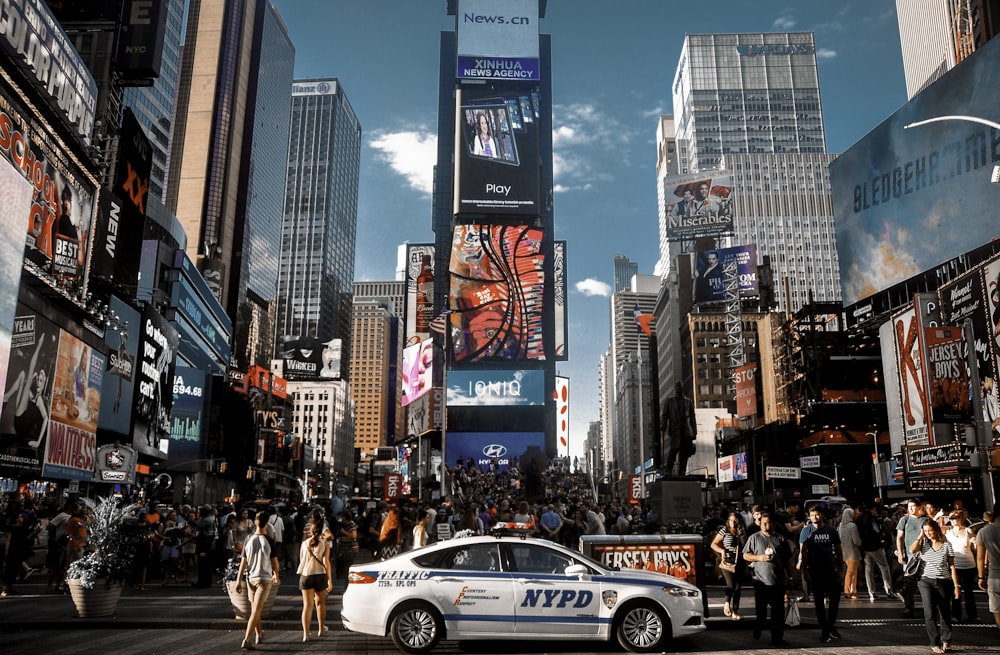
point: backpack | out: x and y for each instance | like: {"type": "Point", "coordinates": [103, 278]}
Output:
{"type": "Point", "coordinates": [870, 538]}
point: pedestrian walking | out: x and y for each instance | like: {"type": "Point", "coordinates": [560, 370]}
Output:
{"type": "Point", "coordinates": [938, 584]}
{"type": "Point", "coordinates": [769, 553]}
{"type": "Point", "coordinates": [963, 543]}
{"type": "Point", "coordinates": [988, 561]}
{"type": "Point", "coordinates": [821, 561]}
{"type": "Point", "coordinates": [260, 564]}
{"type": "Point", "coordinates": [315, 575]}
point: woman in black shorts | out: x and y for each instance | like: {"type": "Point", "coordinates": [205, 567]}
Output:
{"type": "Point", "coordinates": [315, 576]}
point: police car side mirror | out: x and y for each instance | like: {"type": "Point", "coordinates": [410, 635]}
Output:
{"type": "Point", "coordinates": [577, 571]}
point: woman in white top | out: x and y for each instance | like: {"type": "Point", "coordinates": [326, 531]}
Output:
{"type": "Point", "coordinates": [261, 568]}
{"type": "Point", "coordinates": [938, 584]}
{"type": "Point", "coordinates": [963, 542]}
{"type": "Point", "coordinates": [420, 530]}
{"type": "Point", "coordinates": [315, 575]}
{"type": "Point", "coordinates": [484, 145]}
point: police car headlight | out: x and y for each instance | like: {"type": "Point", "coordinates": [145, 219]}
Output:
{"type": "Point", "coordinates": [682, 593]}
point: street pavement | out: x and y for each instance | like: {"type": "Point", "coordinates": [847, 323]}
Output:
{"type": "Point", "coordinates": [180, 619]}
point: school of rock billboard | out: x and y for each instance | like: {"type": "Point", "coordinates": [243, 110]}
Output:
{"type": "Point", "coordinates": [497, 163]}
{"type": "Point", "coordinates": [57, 224]}
{"type": "Point", "coordinates": [153, 395]}
{"type": "Point", "coordinates": [698, 205]}
{"type": "Point", "coordinates": [498, 39]}
{"type": "Point", "coordinates": [497, 291]}
{"type": "Point", "coordinates": [896, 186]}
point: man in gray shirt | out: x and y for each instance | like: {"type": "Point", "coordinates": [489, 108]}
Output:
{"type": "Point", "coordinates": [909, 528]}
{"type": "Point", "coordinates": [988, 562]}
{"type": "Point", "coordinates": [768, 553]}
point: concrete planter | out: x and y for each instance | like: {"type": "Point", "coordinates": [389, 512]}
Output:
{"type": "Point", "coordinates": [99, 602]}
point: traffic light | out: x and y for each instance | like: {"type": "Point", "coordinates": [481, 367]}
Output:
{"type": "Point", "coordinates": [719, 437]}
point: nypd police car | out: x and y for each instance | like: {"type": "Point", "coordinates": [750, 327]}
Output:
{"type": "Point", "coordinates": [515, 588]}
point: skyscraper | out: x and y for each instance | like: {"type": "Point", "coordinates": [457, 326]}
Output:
{"type": "Point", "coordinates": [935, 35]}
{"type": "Point", "coordinates": [228, 142]}
{"type": "Point", "coordinates": [316, 271]}
{"type": "Point", "coordinates": [625, 270]}
{"type": "Point", "coordinates": [746, 94]}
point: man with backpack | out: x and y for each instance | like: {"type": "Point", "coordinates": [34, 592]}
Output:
{"type": "Point", "coordinates": [872, 552]}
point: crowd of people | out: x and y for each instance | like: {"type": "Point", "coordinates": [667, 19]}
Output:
{"type": "Point", "coordinates": [826, 554]}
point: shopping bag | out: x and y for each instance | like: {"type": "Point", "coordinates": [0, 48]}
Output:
{"type": "Point", "coordinates": [792, 617]}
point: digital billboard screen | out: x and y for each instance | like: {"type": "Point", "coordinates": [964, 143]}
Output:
{"type": "Point", "coordinates": [896, 187]}
{"type": "Point", "coordinates": [418, 371]}
{"type": "Point", "coordinates": [561, 292]}
{"type": "Point", "coordinates": [495, 451]}
{"type": "Point", "coordinates": [16, 192]}
{"type": "Point", "coordinates": [498, 168]}
{"type": "Point", "coordinates": [116, 402]}
{"type": "Point", "coordinates": [497, 39]}
{"type": "Point", "coordinates": [419, 292]}
{"type": "Point", "coordinates": [493, 387]}
{"type": "Point", "coordinates": [154, 397]}
{"type": "Point", "coordinates": [186, 415]}
{"type": "Point", "coordinates": [309, 358]}
{"type": "Point", "coordinates": [497, 290]}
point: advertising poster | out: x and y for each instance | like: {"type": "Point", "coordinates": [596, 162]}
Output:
{"type": "Point", "coordinates": [947, 375]}
{"type": "Point", "coordinates": [498, 40]}
{"type": "Point", "coordinates": [494, 451]}
{"type": "Point", "coordinates": [497, 161]}
{"type": "Point", "coordinates": [116, 401]}
{"type": "Point", "coordinates": [561, 291]}
{"type": "Point", "coordinates": [59, 219]}
{"type": "Point", "coordinates": [490, 388]}
{"type": "Point", "coordinates": [497, 289]}
{"type": "Point", "coordinates": [76, 401]}
{"type": "Point", "coordinates": [153, 395]}
{"type": "Point", "coordinates": [562, 415]}
{"type": "Point", "coordinates": [16, 193]}
{"type": "Point", "coordinates": [725, 469]}
{"type": "Point", "coordinates": [309, 358]}
{"type": "Point", "coordinates": [746, 390]}
{"type": "Point", "coordinates": [669, 555]}
{"type": "Point", "coordinates": [186, 415]}
{"type": "Point", "coordinates": [966, 298]}
{"type": "Point", "coordinates": [419, 292]}
{"type": "Point", "coordinates": [991, 280]}
{"type": "Point", "coordinates": [418, 371]}
{"type": "Point", "coordinates": [27, 401]}
{"type": "Point", "coordinates": [912, 380]}
{"type": "Point", "coordinates": [698, 205]}
{"type": "Point", "coordinates": [709, 281]}
{"type": "Point", "coordinates": [893, 393]}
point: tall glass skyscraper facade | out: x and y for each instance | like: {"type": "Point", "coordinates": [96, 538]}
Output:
{"type": "Point", "coordinates": [316, 270]}
{"type": "Point", "coordinates": [746, 94]}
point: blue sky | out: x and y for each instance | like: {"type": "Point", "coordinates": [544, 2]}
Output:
{"type": "Point", "coordinates": [613, 63]}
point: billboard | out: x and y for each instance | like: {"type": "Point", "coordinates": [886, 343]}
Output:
{"type": "Point", "coordinates": [16, 192]}
{"type": "Point", "coordinates": [698, 205]}
{"type": "Point", "coordinates": [116, 402]}
{"type": "Point", "coordinates": [154, 376]}
{"type": "Point", "coordinates": [494, 451]}
{"type": "Point", "coordinates": [894, 187]}
{"type": "Point", "coordinates": [497, 163]}
{"type": "Point", "coordinates": [309, 358]}
{"type": "Point", "coordinates": [57, 225]}
{"type": "Point", "coordinates": [492, 387]}
{"type": "Point", "coordinates": [140, 40]}
{"type": "Point", "coordinates": [189, 391]}
{"type": "Point", "coordinates": [966, 298]}
{"type": "Point", "coordinates": [27, 402]}
{"type": "Point", "coordinates": [496, 295]}
{"type": "Point", "coordinates": [71, 447]}
{"type": "Point", "coordinates": [419, 292]}
{"type": "Point", "coordinates": [909, 385]}
{"type": "Point", "coordinates": [562, 415]}
{"type": "Point", "coordinates": [560, 291]}
{"type": "Point", "coordinates": [991, 279]}
{"type": "Point", "coordinates": [709, 281]}
{"type": "Point", "coordinates": [497, 39]}
{"type": "Point", "coordinates": [947, 375]}
{"type": "Point", "coordinates": [418, 371]}
{"type": "Point", "coordinates": [33, 40]}
{"type": "Point", "coordinates": [746, 390]}
{"type": "Point", "coordinates": [732, 468]}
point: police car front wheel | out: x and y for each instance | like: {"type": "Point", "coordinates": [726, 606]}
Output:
{"type": "Point", "coordinates": [642, 628]}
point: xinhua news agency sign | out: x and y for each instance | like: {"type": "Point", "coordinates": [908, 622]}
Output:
{"type": "Point", "coordinates": [498, 40]}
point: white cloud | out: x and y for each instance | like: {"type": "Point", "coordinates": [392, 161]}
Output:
{"type": "Point", "coordinates": [411, 154]}
{"type": "Point", "coordinates": [823, 54]}
{"type": "Point", "coordinates": [592, 287]}
{"type": "Point", "coordinates": [784, 23]}
{"type": "Point", "coordinates": [584, 139]}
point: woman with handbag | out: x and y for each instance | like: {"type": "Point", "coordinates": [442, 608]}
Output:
{"type": "Point", "coordinates": [938, 583]}
{"type": "Point", "coordinates": [315, 576]}
{"type": "Point", "coordinates": [728, 543]}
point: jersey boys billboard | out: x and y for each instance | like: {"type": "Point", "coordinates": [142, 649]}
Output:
{"type": "Point", "coordinates": [497, 142]}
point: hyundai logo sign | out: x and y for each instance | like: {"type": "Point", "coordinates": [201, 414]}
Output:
{"type": "Point", "coordinates": [494, 450]}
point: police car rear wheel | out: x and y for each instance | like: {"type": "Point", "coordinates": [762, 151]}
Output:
{"type": "Point", "coordinates": [642, 629]}
{"type": "Point", "coordinates": [416, 628]}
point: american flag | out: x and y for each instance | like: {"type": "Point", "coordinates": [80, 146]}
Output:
{"type": "Point", "coordinates": [439, 323]}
